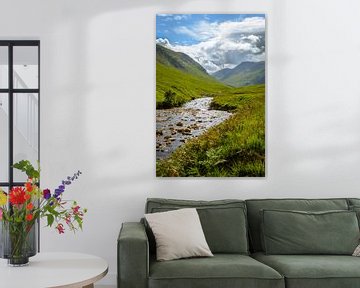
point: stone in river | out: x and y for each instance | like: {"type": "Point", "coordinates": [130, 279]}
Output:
{"type": "Point", "coordinates": [179, 124]}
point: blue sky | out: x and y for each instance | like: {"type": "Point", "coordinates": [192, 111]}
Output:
{"type": "Point", "coordinates": [216, 41]}
{"type": "Point", "coordinates": [168, 25]}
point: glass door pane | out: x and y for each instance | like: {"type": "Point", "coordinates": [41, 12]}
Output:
{"type": "Point", "coordinates": [4, 137]}
{"type": "Point", "coordinates": [4, 67]}
{"type": "Point", "coordinates": [26, 63]}
{"type": "Point", "coordinates": [26, 130]}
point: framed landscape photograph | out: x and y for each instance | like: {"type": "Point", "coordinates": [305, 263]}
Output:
{"type": "Point", "coordinates": [210, 95]}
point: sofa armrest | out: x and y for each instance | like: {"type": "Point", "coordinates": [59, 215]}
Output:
{"type": "Point", "coordinates": [133, 256]}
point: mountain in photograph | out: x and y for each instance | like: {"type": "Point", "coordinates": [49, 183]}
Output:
{"type": "Point", "coordinates": [182, 77]}
{"type": "Point", "coordinates": [244, 74]}
{"type": "Point", "coordinates": [180, 61]}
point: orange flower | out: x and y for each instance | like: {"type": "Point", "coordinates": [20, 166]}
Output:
{"type": "Point", "coordinates": [29, 206]}
{"type": "Point", "coordinates": [27, 196]}
{"type": "Point", "coordinates": [29, 187]}
{"type": "Point", "coordinates": [29, 217]}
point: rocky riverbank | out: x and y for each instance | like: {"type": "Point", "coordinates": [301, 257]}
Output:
{"type": "Point", "coordinates": [175, 126]}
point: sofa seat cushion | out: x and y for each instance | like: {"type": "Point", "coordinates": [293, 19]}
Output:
{"type": "Point", "coordinates": [222, 270]}
{"type": "Point", "coordinates": [313, 271]}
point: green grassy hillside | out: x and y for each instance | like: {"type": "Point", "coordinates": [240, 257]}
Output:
{"type": "Point", "coordinates": [180, 79]}
{"type": "Point", "coordinates": [246, 73]}
{"type": "Point", "coordinates": [180, 61]}
{"type": "Point", "coordinates": [184, 86]}
{"type": "Point", "coordinates": [235, 147]}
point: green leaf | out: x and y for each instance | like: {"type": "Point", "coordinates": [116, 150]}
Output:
{"type": "Point", "coordinates": [52, 211]}
{"type": "Point", "coordinates": [50, 219]}
{"type": "Point", "coordinates": [26, 167]}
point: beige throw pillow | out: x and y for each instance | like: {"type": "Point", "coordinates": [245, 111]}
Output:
{"type": "Point", "coordinates": [178, 234]}
{"type": "Point", "coordinates": [357, 251]}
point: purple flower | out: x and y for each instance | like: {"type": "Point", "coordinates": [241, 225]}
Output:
{"type": "Point", "coordinates": [46, 194]}
{"type": "Point", "coordinates": [68, 181]}
{"type": "Point", "coordinates": [58, 192]}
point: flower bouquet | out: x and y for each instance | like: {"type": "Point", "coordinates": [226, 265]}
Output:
{"type": "Point", "coordinates": [21, 208]}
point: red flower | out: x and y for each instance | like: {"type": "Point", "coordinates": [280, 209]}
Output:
{"type": "Point", "coordinates": [68, 219]}
{"type": "Point", "coordinates": [17, 196]}
{"type": "Point", "coordinates": [27, 196]}
{"type": "Point", "coordinates": [29, 187]}
{"type": "Point", "coordinates": [75, 209]}
{"type": "Point", "coordinates": [29, 217]}
{"type": "Point", "coordinates": [60, 228]}
{"type": "Point", "coordinates": [29, 206]}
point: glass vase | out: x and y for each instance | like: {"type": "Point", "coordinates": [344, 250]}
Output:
{"type": "Point", "coordinates": [18, 242]}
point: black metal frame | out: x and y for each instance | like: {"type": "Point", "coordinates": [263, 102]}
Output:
{"type": "Point", "coordinates": [10, 92]}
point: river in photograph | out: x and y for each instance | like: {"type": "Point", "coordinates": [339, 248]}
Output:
{"type": "Point", "coordinates": [176, 125]}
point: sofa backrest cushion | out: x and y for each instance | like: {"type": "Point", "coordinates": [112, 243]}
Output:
{"type": "Point", "coordinates": [223, 221]}
{"type": "Point", "coordinates": [298, 232]}
{"type": "Point", "coordinates": [354, 205]}
{"type": "Point", "coordinates": [353, 202]}
{"type": "Point", "coordinates": [255, 206]}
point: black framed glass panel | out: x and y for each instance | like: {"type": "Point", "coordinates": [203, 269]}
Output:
{"type": "Point", "coordinates": [19, 107]}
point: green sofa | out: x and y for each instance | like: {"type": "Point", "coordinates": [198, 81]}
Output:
{"type": "Point", "coordinates": [233, 230]}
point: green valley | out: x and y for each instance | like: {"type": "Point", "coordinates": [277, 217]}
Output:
{"type": "Point", "coordinates": [181, 79]}
{"type": "Point", "coordinates": [233, 148]}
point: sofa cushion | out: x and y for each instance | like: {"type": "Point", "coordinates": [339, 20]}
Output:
{"type": "Point", "coordinates": [222, 270]}
{"type": "Point", "coordinates": [353, 201]}
{"type": "Point", "coordinates": [313, 271]}
{"type": "Point", "coordinates": [254, 207]}
{"type": "Point", "coordinates": [297, 232]}
{"type": "Point", "coordinates": [223, 221]}
{"type": "Point", "coordinates": [356, 209]}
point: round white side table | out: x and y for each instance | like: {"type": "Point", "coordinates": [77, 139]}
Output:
{"type": "Point", "coordinates": [50, 270]}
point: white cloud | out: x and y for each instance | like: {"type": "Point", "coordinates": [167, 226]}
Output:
{"type": "Point", "coordinates": [164, 42]}
{"type": "Point", "coordinates": [180, 17]}
{"type": "Point", "coordinates": [223, 45]}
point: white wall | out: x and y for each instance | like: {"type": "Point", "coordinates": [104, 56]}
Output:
{"type": "Point", "coordinates": [98, 105]}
